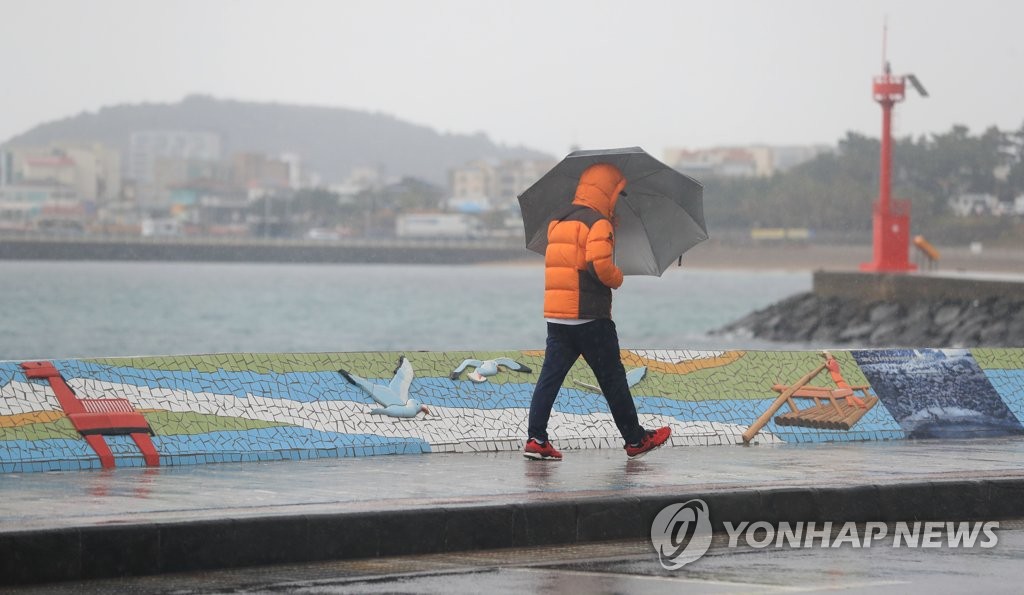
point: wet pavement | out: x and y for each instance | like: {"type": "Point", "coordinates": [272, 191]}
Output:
{"type": "Point", "coordinates": [617, 567]}
{"type": "Point", "coordinates": [36, 501]}
{"type": "Point", "coordinates": [134, 522]}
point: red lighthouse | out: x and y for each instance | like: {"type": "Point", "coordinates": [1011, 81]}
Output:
{"type": "Point", "coordinates": [891, 218]}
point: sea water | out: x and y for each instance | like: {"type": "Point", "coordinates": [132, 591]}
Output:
{"type": "Point", "coordinates": [96, 309]}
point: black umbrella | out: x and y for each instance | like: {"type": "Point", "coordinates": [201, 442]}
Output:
{"type": "Point", "coordinates": [662, 216]}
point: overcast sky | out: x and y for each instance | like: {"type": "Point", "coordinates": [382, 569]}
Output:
{"type": "Point", "coordinates": [545, 74]}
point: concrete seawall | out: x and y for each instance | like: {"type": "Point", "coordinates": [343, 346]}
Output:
{"type": "Point", "coordinates": [722, 252]}
{"type": "Point", "coordinates": [305, 251]}
{"type": "Point", "coordinates": [910, 289]}
{"type": "Point", "coordinates": [184, 410]}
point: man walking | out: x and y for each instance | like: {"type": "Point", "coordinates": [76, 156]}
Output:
{"type": "Point", "coordinates": [579, 275]}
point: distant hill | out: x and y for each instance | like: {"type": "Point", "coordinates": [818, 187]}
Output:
{"type": "Point", "coordinates": [330, 140]}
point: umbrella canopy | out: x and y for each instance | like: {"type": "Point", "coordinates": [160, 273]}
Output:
{"type": "Point", "coordinates": [661, 216]}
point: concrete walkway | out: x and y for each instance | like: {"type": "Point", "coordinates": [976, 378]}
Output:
{"type": "Point", "coordinates": [64, 526]}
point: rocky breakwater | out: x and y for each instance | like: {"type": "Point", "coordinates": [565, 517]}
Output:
{"type": "Point", "coordinates": [885, 310]}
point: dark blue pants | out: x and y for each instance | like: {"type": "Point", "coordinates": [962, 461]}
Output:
{"type": "Point", "coordinates": [598, 343]}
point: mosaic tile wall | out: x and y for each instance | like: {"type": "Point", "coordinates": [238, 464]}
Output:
{"type": "Point", "coordinates": [183, 410]}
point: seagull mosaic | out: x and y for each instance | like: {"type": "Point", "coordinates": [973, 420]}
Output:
{"type": "Point", "coordinates": [184, 410]}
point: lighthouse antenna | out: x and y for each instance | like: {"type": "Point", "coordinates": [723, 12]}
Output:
{"type": "Point", "coordinates": [885, 42]}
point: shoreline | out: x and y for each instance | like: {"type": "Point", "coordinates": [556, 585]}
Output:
{"type": "Point", "coordinates": [709, 255]}
{"type": "Point", "coordinates": [812, 257]}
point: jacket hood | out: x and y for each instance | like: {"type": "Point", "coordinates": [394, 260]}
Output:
{"type": "Point", "coordinates": [599, 188]}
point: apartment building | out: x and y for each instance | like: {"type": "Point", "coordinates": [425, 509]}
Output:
{"type": "Point", "coordinates": [495, 183]}
{"type": "Point", "coordinates": [154, 153]}
{"type": "Point", "coordinates": [147, 147]}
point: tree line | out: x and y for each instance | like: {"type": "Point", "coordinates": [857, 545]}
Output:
{"type": "Point", "coordinates": [832, 194]}
{"type": "Point", "coordinates": [836, 191]}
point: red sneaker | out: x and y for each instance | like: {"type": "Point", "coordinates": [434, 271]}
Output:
{"type": "Point", "coordinates": [652, 439]}
{"type": "Point", "coordinates": [541, 452]}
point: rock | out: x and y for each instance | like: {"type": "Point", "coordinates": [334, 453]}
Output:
{"type": "Point", "coordinates": [1015, 330]}
{"type": "Point", "coordinates": [805, 317]}
{"type": "Point", "coordinates": [805, 328]}
{"type": "Point", "coordinates": [859, 331]}
{"type": "Point", "coordinates": [885, 334]}
{"type": "Point", "coordinates": [946, 315]}
{"type": "Point", "coordinates": [919, 313]}
{"type": "Point", "coordinates": [918, 335]}
{"type": "Point", "coordinates": [993, 334]}
{"type": "Point", "coordinates": [1001, 308]}
{"type": "Point", "coordinates": [883, 311]}
{"type": "Point", "coordinates": [967, 334]}
{"type": "Point", "coordinates": [745, 324]}
{"type": "Point", "coordinates": [937, 338]}
{"type": "Point", "coordinates": [825, 334]}
{"type": "Point", "coordinates": [852, 313]}
{"type": "Point", "coordinates": [770, 325]}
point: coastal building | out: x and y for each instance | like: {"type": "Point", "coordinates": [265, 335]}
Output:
{"type": "Point", "coordinates": [91, 170]}
{"type": "Point", "coordinates": [156, 159]}
{"type": "Point", "coordinates": [147, 147]}
{"type": "Point", "coordinates": [495, 183]}
{"type": "Point", "coordinates": [295, 172]}
{"type": "Point", "coordinates": [472, 181]}
{"type": "Point", "coordinates": [5, 167]}
{"type": "Point", "coordinates": [743, 161]}
{"type": "Point", "coordinates": [59, 184]}
{"type": "Point", "coordinates": [27, 207]}
{"type": "Point", "coordinates": [366, 177]}
{"type": "Point", "coordinates": [434, 225]}
{"type": "Point", "coordinates": [172, 171]}
{"type": "Point", "coordinates": [515, 176]}
{"type": "Point", "coordinates": [210, 208]}
{"type": "Point", "coordinates": [361, 178]}
{"type": "Point", "coordinates": [720, 161]}
{"type": "Point", "coordinates": [258, 170]}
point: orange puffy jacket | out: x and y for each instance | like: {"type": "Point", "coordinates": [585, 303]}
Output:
{"type": "Point", "coordinates": [580, 272]}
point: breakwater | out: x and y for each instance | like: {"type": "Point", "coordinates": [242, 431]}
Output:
{"type": "Point", "coordinates": [886, 310]}
{"type": "Point", "coordinates": [372, 251]}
